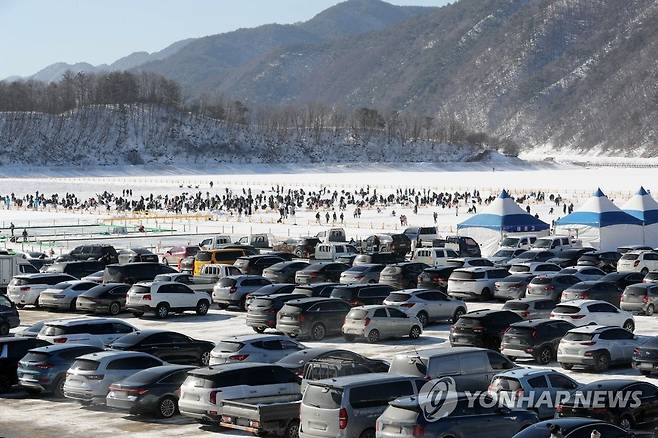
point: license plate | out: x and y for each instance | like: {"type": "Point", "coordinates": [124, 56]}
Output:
{"type": "Point", "coordinates": [646, 366]}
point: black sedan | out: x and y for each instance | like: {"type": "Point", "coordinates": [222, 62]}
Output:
{"type": "Point", "coordinates": [645, 357]}
{"type": "Point", "coordinates": [104, 298]}
{"type": "Point", "coordinates": [169, 346]}
{"type": "Point", "coordinates": [153, 391]}
{"type": "Point", "coordinates": [296, 362]}
{"type": "Point", "coordinates": [572, 428]}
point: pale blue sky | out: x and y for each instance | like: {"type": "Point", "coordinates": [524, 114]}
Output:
{"type": "Point", "coordinates": [36, 33]}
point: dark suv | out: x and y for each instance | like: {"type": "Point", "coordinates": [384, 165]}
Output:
{"type": "Point", "coordinates": [536, 339]}
{"type": "Point", "coordinates": [402, 275]}
{"type": "Point", "coordinates": [464, 246]}
{"type": "Point", "coordinates": [550, 285]}
{"type": "Point", "coordinates": [8, 315]}
{"type": "Point", "coordinates": [77, 269]}
{"type": "Point", "coordinates": [262, 310]}
{"type": "Point", "coordinates": [623, 279]}
{"type": "Point", "coordinates": [362, 294]}
{"type": "Point", "coordinates": [102, 253]}
{"type": "Point", "coordinates": [284, 272]}
{"type": "Point", "coordinates": [312, 317]}
{"type": "Point", "coordinates": [12, 350]}
{"type": "Point", "coordinates": [482, 328]}
{"type": "Point", "coordinates": [255, 264]}
{"type": "Point", "coordinates": [382, 258]}
{"type": "Point", "coordinates": [435, 278]}
{"type": "Point", "coordinates": [604, 260]}
{"type": "Point", "coordinates": [320, 272]}
{"type": "Point", "coordinates": [135, 272]}
{"type": "Point", "coordinates": [594, 290]}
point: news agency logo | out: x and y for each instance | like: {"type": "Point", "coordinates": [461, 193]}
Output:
{"type": "Point", "coordinates": [438, 398]}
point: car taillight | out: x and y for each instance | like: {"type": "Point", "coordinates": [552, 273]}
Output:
{"type": "Point", "coordinates": [233, 290]}
{"type": "Point", "coordinates": [525, 314]}
{"type": "Point", "coordinates": [146, 297]}
{"type": "Point", "coordinates": [577, 316]}
{"type": "Point", "coordinates": [354, 303]}
{"type": "Point", "coordinates": [342, 419]}
{"type": "Point", "coordinates": [301, 317]}
{"type": "Point", "coordinates": [551, 315]}
{"type": "Point", "coordinates": [645, 299]}
{"type": "Point", "coordinates": [366, 322]}
{"type": "Point", "coordinates": [59, 341]}
{"type": "Point", "coordinates": [313, 274]}
{"type": "Point", "coordinates": [25, 289]}
{"type": "Point", "coordinates": [636, 351]}
{"type": "Point", "coordinates": [478, 330]}
{"type": "Point", "coordinates": [238, 357]}
{"type": "Point", "coordinates": [549, 287]}
{"type": "Point", "coordinates": [418, 430]}
{"type": "Point", "coordinates": [212, 397]}
{"type": "Point", "coordinates": [94, 376]}
{"type": "Point", "coordinates": [588, 343]}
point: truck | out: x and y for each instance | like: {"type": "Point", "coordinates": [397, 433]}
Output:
{"type": "Point", "coordinates": [215, 242]}
{"type": "Point", "coordinates": [278, 418]}
{"type": "Point", "coordinates": [11, 265]}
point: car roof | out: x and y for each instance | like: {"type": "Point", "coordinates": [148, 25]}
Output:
{"type": "Point", "coordinates": [529, 300]}
{"type": "Point", "coordinates": [216, 369]}
{"type": "Point", "coordinates": [531, 322]}
{"type": "Point", "coordinates": [54, 348]}
{"type": "Point", "coordinates": [42, 275]}
{"type": "Point", "coordinates": [310, 300]}
{"type": "Point", "coordinates": [525, 372]}
{"type": "Point", "coordinates": [414, 291]}
{"type": "Point", "coordinates": [581, 303]}
{"type": "Point", "coordinates": [78, 321]}
{"type": "Point", "coordinates": [112, 354]}
{"type": "Point", "coordinates": [484, 312]}
{"type": "Point", "coordinates": [150, 331]}
{"type": "Point", "coordinates": [254, 337]}
{"type": "Point", "coordinates": [589, 329]}
{"type": "Point", "coordinates": [359, 379]}
{"type": "Point", "coordinates": [477, 268]}
{"type": "Point", "coordinates": [611, 384]}
{"type": "Point", "coordinates": [441, 351]}
{"type": "Point", "coordinates": [567, 423]}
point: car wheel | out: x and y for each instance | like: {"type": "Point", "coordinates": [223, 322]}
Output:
{"type": "Point", "coordinates": [167, 407]}
{"type": "Point", "coordinates": [650, 310]}
{"type": "Point", "coordinates": [259, 329]}
{"type": "Point", "coordinates": [58, 388]}
{"type": "Point", "coordinates": [292, 430]}
{"type": "Point", "coordinates": [545, 356]}
{"type": "Point", "coordinates": [349, 338]}
{"type": "Point", "coordinates": [162, 310]}
{"type": "Point", "coordinates": [644, 271]}
{"type": "Point", "coordinates": [458, 314]}
{"type": "Point", "coordinates": [202, 308]}
{"type": "Point", "coordinates": [415, 332]}
{"type": "Point", "coordinates": [566, 366]}
{"type": "Point", "coordinates": [486, 294]}
{"type": "Point", "coordinates": [138, 314]}
{"type": "Point", "coordinates": [318, 332]}
{"type": "Point", "coordinates": [4, 329]}
{"type": "Point", "coordinates": [370, 433]}
{"type": "Point", "coordinates": [423, 318]}
{"type": "Point", "coordinates": [115, 308]}
{"type": "Point", "coordinates": [602, 362]}
{"type": "Point", "coordinates": [373, 336]}
{"type": "Point", "coordinates": [629, 325]}
{"type": "Point", "coordinates": [205, 358]}
{"type": "Point", "coordinates": [626, 421]}
{"type": "Point", "coordinates": [222, 306]}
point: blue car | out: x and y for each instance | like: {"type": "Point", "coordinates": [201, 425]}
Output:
{"type": "Point", "coordinates": [44, 369]}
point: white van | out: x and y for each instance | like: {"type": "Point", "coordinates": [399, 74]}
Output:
{"type": "Point", "coordinates": [332, 251]}
{"type": "Point", "coordinates": [332, 235]}
{"type": "Point", "coordinates": [433, 256]}
{"type": "Point", "coordinates": [215, 242]}
{"type": "Point", "coordinates": [11, 265]}
{"type": "Point", "coordinates": [557, 243]}
{"type": "Point", "coordinates": [517, 242]}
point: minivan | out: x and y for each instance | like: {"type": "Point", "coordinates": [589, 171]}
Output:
{"type": "Point", "coordinates": [216, 257]}
{"type": "Point", "coordinates": [472, 368]}
{"type": "Point", "coordinates": [349, 406]}
{"type": "Point", "coordinates": [477, 282]}
{"type": "Point", "coordinates": [402, 275]}
{"type": "Point", "coordinates": [312, 318]}
{"type": "Point", "coordinates": [332, 251]}
{"type": "Point", "coordinates": [132, 273]}
{"type": "Point", "coordinates": [25, 289]}
{"type": "Point", "coordinates": [255, 264]}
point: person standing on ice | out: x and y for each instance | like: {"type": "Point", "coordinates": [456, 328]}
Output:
{"type": "Point", "coordinates": [11, 228]}
{"type": "Point", "coordinates": [24, 235]}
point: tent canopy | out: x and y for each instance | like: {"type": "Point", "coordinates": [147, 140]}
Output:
{"type": "Point", "coordinates": [643, 207]}
{"type": "Point", "coordinates": [504, 215]}
{"type": "Point", "coordinates": [599, 212]}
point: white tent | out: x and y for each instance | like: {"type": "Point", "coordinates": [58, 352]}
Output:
{"type": "Point", "coordinates": [643, 207]}
{"type": "Point", "coordinates": [502, 217]}
{"type": "Point", "coordinates": [601, 224]}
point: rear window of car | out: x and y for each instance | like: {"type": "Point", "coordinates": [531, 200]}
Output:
{"type": "Point", "coordinates": [204, 256]}
{"type": "Point", "coordinates": [520, 268]}
{"type": "Point", "coordinates": [361, 268]}
{"type": "Point", "coordinates": [466, 321]}
{"type": "Point", "coordinates": [520, 331]}
{"type": "Point", "coordinates": [581, 286]}
{"type": "Point", "coordinates": [227, 282]}
{"type": "Point", "coordinates": [515, 305]}
{"type": "Point", "coordinates": [357, 314]}
{"type": "Point", "coordinates": [568, 310]}
{"type": "Point", "coordinates": [541, 280]}
{"type": "Point", "coordinates": [343, 293]}
{"type": "Point", "coordinates": [398, 298]}
{"type": "Point", "coordinates": [505, 384]}
{"type": "Point", "coordinates": [323, 397]}
{"type": "Point", "coordinates": [54, 330]}
{"type": "Point", "coordinates": [635, 291]}
{"type": "Point", "coordinates": [85, 365]}
{"type": "Point", "coordinates": [466, 275]}
{"type": "Point", "coordinates": [229, 347]}
{"type": "Point", "coordinates": [578, 337]}
{"type": "Point", "coordinates": [391, 270]}
{"type": "Point", "coordinates": [34, 356]}
{"type": "Point", "coordinates": [629, 257]}
{"type": "Point", "coordinates": [140, 290]}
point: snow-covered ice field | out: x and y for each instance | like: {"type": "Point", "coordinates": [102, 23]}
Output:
{"type": "Point", "coordinates": [22, 416]}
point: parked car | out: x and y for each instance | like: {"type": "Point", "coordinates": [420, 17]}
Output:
{"type": "Point", "coordinates": [596, 347]}
{"type": "Point", "coordinates": [645, 356]}
{"type": "Point", "coordinates": [9, 317]}
{"type": "Point", "coordinates": [513, 286]}
{"type": "Point", "coordinates": [421, 234]}
{"type": "Point", "coordinates": [132, 255]}
{"type": "Point", "coordinates": [89, 378]}
{"type": "Point", "coordinates": [469, 262]}
{"type": "Point", "coordinates": [64, 295]}
{"type": "Point", "coordinates": [186, 265]}
{"type": "Point", "coordinates": [200, 283]}
{"type": "Point", "coordinates": [404, 418]}
{"type": "Point", "coordinates": [284, 272]}
{"type": "Point", "coordinates": [44, 369]}
{"type": "Point", "coordinates": [171, 347]}
{"type": "Point", "coordinates": [533, 268]}
{"type": "Point", "coordinates": [321, 272]}
{"type": "Point", "coordinates": [531, 308]}
{"type": "Point", "coordinates": [332, 251]}
{"type": "Point", "coordinates": [628, 248]}
{"type": "Point", "coordinates": [362, 294]}
{"type": "Point", "coordinates": [570, 257]}
{"type": "Point", "coordinates": [626, 415]}
{"type": "Point", "coordinates": [482, 328]}
{"type": "Point", "coordinates": [377, 322]}
{"type": "Point", "coordinates": [427, 305]}
{"type": "Point", "coordinates": [518, 242]}
{"type": "Point", "coordinates": [362, 274]}
{"type": "Point", "coordinates": [433, 256]}
{"type": "Point", "coordinates": [316, 289]}
{"type": "Point", "coordinates": [25, 289]}
{"type": "Point", "coordinates": [550, 285]}
{"type": "Point", "coordinates": [153, 391]}
{"type": "Point", "coordinates": [377, 258]}
{"type": "Point", "coordinates": [533, 255]}
{"type": "Point", "coordinates": [255, 264]}
{"type": "Point", "coordinates": [464, 246]}
{"type": "Point", "coordinates": [205, 388]}
{"type": "Point", "coordinates": [135, 272]}
{"type": "Point", "coordinates": [584, 273]}
{"type": "Point", "coordinates": [215, 242]}
{"type": "Point", "coordinates": [556, 243]}
{"type": "Point", "coordinates": [91, 331]}
{"type": "Point", "coordinates": [623, 279]}
{"type": "Point", "coordinates": [638, 261]}
{"type": "Point", "coordinates": [161, 298]}
{"type": "Point", "coordinates": [604, 260]}
{"type": "Point", "coordinates": [402, 275]}
{"type": "Point", "coordinates": [30, 331]}
{"type": "Point", "coordinates": [651, 277]}
{"type": "Point", "coordinates": [216, 257]}
{"type": "Point", "coordinates": [593, 290]}
{"type": "Point", "coordinates": [103, 298]}
{"type": "Point", "coordinates": [99, 252]}
{"type": "Point", "coordinates": [314, 318]}
{"type": "Point", "coordinates": [349, 406]}
{"type": "Point", "coordinates": [534, 339]}
{"type": "Point", "coordinates": [253, 348]}
{"type": "Point", "coordinates": [12, 350]}
{"type": "Point", "coordinates": [233, 290]}
{"type": "Point", "coordinates": [213, 273]}
{"type": "Point", "coordinates": [297, 362]}
{"type": "Point", "coordinates": [585, 312]}
{"type": "Point", "coordinates": [573, 428]}
{"type": "Point", "coordinates": [306, 247]}
{"type": "Point", "coordinates": [471, 368]}
{"type": "Point", "coordinates": [435, 278]}
{"type": "Point", "coordinates": [77, 269]}
{"type": "Point", "coordinates": [397, 244]}
{"type": "Point", "coordinates": [174, 255]}
{"type": "Point", "coordinates": [641, 297]}
{"type": "Point", "coordinates": [262, 310]}
{"type": "Point", "coordinates": [475, 282]}
{"type": "Point", "coordinates": [270, 289]}
{"type": "Point", "coordinates": [96, 277]}
{"type": "Point", "coordinates": [504, 255]}
{"type": "Point", "coordinates": [528, 386]}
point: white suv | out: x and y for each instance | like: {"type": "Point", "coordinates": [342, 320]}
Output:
{"type": "Point", "coordinates": [597, 347]}
{"type": "Point", "coordinates": [475, 282]}
{"type": "Point", "coordinates": [163, 297]}
{"type": "Point", "coordinates": [25, 289]}
{"type": "Point", "coordinates": [533, 267]}
{"type": "Point", "coordinates": [585, 312]}
{"type": "Point", "coordinates": [433, 256]}
{"type": "Point", "coordinates": [90, 331]}
{"type": "Point", "coordinates": [638, 261]}
{"type": "Point", "coordinates": [89, 378]}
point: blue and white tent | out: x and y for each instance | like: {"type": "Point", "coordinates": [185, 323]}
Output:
{"type": "Point", "coordinates": [601, 224]}
{"type": "Point", "coordinates": [502, 217]}
{"type": "Point", "coordinates": [643, 207]}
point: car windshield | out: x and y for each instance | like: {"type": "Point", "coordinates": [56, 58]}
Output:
{"type": "Point", "coordinates": [567, 310]}
{"type": "Point", "coordinates": [398, 298]}
{"type": "Point", "coordinates": [515, 305]}
{"type": "Point", "coordinates": [162, 277]}
{"type": "Point", "coordinates": [504, 253]}
{"type": "Point", "coordinates": [323, 397]}
{"type": "Point", "coordinates": [357, 314]}
{"type": "Point", "coordinates": [519, 268]}
{"type": "Point", "coordinates": [510, 241]}
{"type": "Point", "coordinates": [139, 289]}
{"type": "Point", "coordinates": [578, 337]}
{"type": "Point", "coordinates": [505, 384]}
{"type": "Point", "coordinates": [635, 291]}
{"type": "Point", "coordinates": [541, 280]}
{"type": "Point", "coordinates": [229, 346]}
{"type": "Point", "coordinates": [392, 270]}
{"type": "Point", "coordinates": [543, 243]}
{"type": "Point", "coordinates": [362, 268]}
{"type": "Point", "coordinates": [204, 256]}
{"type": "Point", "coordinates": [226, 282]}
{"type": "Point", "coordinates": [528, 255]}
{"type": "Point", "coordinates": [466, 275]}
{"type": "Point", "coordinates": [53, 330]}
{"type": "Point", "coordinates": [630, 257]}
{"type": "Point", "coordinates": [85, 365]}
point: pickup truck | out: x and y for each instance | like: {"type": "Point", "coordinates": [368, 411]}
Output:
{"type": "Point", "coordinates": [198, 283]}
{"type": "Point", "coordinates": [278, 418]}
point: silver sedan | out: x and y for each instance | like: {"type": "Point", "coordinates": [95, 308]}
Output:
{"type": "Point", "coordinates": [362, 274]}
{"type": "Point", "coordinates": [427, 305]}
